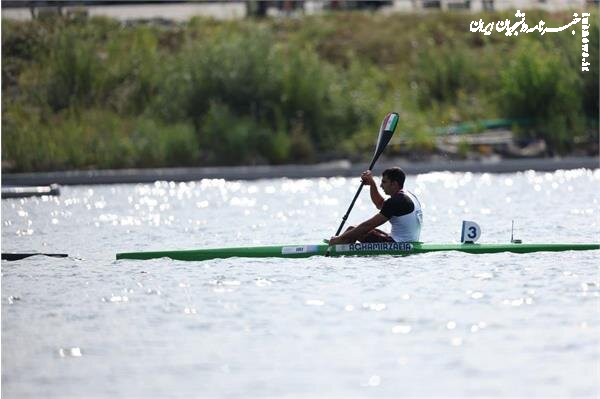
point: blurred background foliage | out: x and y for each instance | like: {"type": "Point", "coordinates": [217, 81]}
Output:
{"type": "Point", "coordinates": [94, 93]}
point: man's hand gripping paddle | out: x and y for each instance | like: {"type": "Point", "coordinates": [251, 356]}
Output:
{"type": "Point", "coordinates": [386, 131]}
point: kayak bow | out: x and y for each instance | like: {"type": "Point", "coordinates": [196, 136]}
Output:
{"type": "Point", "coordinates": [365, 249]}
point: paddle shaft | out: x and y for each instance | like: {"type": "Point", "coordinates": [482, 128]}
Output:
{"type": "Point", "coordinates": [355, 197]}
{"type": "Point", "coordinates": [385, 134]}
{"type": "Point", "coordinates": [337, 233]}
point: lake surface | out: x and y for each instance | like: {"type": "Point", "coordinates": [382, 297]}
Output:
{"type": "Point", "coordinates": [440, 324]}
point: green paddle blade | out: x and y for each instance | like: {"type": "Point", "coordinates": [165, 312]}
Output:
{"type": "Point", "coordinates": [386, 131]}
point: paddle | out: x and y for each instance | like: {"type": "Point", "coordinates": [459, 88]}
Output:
{"type": "Point", "coordinates": [386, 131]}
{"type": "Point", "coordinates": [19, 256]}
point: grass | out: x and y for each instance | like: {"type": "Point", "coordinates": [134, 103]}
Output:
{"type": "Point", "coordinates": [91, 93]}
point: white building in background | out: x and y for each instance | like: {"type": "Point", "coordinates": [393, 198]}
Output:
{"type": "Point", "coordinates": [471, 5]}
{"type": "Point", "coordinates": [234, 9]}
{"type": "Point", "coordinates": [124, 12]}
{"type": "Point", "coordinates": [488, 5]}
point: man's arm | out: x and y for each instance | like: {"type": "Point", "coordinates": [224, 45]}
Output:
{"type": "Point", "coordinates": [367, 179]}
{"type": "Point", "coordinates": [359, 231]}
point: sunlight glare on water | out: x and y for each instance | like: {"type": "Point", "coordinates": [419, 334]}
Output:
{"type": "Point", "coordinates": [437, 324]}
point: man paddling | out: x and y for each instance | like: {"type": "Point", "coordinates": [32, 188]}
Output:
{"type": "Point", "coordinates": [402, 209]}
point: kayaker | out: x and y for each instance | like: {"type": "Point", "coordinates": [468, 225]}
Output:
{"type": "Point", "coordinates": [402, 209]}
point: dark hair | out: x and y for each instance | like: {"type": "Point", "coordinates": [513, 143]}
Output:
{"type": "Point", "coordinates": [395, 174]}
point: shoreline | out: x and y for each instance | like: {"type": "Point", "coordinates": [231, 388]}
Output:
{"type": "Point", "coordinates": [341, 168]}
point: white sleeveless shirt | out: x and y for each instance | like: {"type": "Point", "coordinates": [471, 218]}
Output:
{"type": "Point", "coordinates": [408, 227]}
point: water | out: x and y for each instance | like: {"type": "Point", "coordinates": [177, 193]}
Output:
{"type": "Point", "coordinates": [440, 324]}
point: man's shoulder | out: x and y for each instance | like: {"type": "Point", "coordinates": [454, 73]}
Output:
{"type": "Point", "coordinates": [397, 205]}
{"type": "Point", "coordinates": [400, 197]}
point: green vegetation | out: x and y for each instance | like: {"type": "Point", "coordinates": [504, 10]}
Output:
{"type": "Point", "coordinates": [92, 93]}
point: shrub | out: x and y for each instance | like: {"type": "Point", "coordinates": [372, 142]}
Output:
{"type": "Point", "coordinates": [22, 43]}
{"type": "Point", "coordinates": [93, 138]}
{"type": "Point", "coordinates": [264, 92]}
{"type": "Point", "coordinates": [95, 93]}
{"type": "Point", "coordinates": [73, 73]}
{"type": "Point", "coordinates": [132, 70]}
{"type": "Point", "coordinates": [441, 73]}
{"type": "Point", "coordinates": [158, 144]}
{"type": "Point", "coordinates": [538, 84]}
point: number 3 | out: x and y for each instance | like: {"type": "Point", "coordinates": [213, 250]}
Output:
{"type": "Point", "coordinates": [472, 232]}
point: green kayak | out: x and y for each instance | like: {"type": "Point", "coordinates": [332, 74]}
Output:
{"type": "Point", "coordinates": [374, 249]}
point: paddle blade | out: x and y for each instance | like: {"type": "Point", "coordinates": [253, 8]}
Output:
{"type": "Point", "coordinates": [386, 131]}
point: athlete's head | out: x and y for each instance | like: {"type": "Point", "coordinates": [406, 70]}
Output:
{"type": "Point", "coordinates": [395, 175]}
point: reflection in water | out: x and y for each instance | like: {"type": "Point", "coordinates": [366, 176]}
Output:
{"type": "Point", "coordinates": [433, 325]}
{"type": "Point", "coordinates": [69, 352]}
